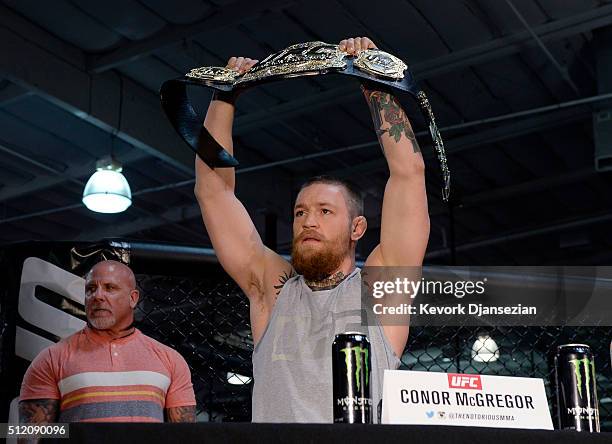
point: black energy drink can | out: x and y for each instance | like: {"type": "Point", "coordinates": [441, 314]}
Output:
{"type": "Point", "coordinates": [577, 407]}
{"type": "Point", "coordinates": [351, 365]}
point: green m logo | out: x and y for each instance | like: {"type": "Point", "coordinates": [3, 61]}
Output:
{"type": "Point", "coordinates": [358, 352]}
{"type": "Point", "coordinates": [587, 372]}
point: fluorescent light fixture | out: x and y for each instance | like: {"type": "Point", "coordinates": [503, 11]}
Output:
{"type": "Point", "coordinates": [107, 190]}
{"type": "Point", "coordinates": [236, 379]}
{"type": "Point", "coordinates": [485, 349]}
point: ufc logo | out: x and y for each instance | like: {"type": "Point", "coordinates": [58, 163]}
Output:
{"type": "Point", "coordinates": [456, 380]}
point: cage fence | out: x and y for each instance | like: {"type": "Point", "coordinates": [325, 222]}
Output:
{"type": "Point", "coordinates": [198, 310]}
{"type": "Point", "coordinates": [207, 321]}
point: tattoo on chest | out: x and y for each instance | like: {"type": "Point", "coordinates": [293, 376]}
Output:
{"type": "Point", "coordinates": [327, 283]}
{"type": "Point", "coordinates": [282, 279]}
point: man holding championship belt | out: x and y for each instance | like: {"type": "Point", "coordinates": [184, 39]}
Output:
{"type": "Point", "coordinates": [297, 308]}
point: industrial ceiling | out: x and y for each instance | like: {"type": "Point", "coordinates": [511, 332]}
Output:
{"type": "Point", "coordinates": [519, 88]}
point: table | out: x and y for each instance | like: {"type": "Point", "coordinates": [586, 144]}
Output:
{"type": "Point", "coordinates": [228, 433]}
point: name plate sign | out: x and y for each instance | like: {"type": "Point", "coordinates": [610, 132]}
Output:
{"type": "Point", "coordinates": [451, 399]}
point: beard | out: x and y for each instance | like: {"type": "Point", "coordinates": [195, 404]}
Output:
{"type": "Point", "coordinates": [102, 322]}
{"type": "Point", "coordinates": [318, 261]}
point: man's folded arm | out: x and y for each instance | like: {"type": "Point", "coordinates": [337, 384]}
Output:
{"type": "Point", "coordinates": [181, 414]}
{"type": "Point", "coordinates": [38, 411]}
{"type": "Point", "coordinates": [39, 396]}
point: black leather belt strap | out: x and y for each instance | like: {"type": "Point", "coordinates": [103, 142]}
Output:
{"type": "Point", "coordinates": [189, 125]}
{"type": "Point", "coordinates": [312, 58]}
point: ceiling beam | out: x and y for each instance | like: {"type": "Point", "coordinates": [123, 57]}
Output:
{"type": "Point", "coordinates": [71, 91]}
{"type": "Point", "coordinates": [170, 216]}
{"type": "Point", "coordinates": [516, 128]}
{"type": "Point", "coordinates": [512, 236]}
{"type": "Point", "coordinates": [532, 186]}
{"type": "Point", "coordinates": [227, 16]}
{"type": "Point", "coordinates": [271, 196]}
{"type": "Point", "coordinates": [454, 61]}
{"type": "Point", "coordinates": [183, 213]}
{"type": "Point", "coordinates": [509, 130]}
{"type": "Point", "coordinates": [103, 87]}
{"type": "Point", "coordinates": [562, 70]}
{"type": "Point", "coordinates": [284, 111]}
{"type": "Point", "coordinates": [10, 93]}
{"type": "Point", "coordinates": [71, 174]}
{"type": "Point", "coordinates": [37, 61]}
{"type": "Point", "coordinates": [503, 132]}
{"type": "Point", "coordinates": [515, 43]}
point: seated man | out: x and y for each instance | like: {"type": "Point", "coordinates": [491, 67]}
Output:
{"type": "Point", "coordinates": [109, 371]}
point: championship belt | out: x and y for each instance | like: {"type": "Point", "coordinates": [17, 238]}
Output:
{"type": "Point", "coordinates": [303, 59]}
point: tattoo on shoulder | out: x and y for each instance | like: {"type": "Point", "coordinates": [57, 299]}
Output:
{"type": "Point", "coordinates": [385, 108]}
{"type": "Point", "coordinates": [38, 411]}
{"type": "Point", "coordinates": [283, 278]}
{"type": "Point", "coordinates": [181, 414]}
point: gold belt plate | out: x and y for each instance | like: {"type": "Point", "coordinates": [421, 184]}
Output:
{"type": "Point", "coordinates": [296, 60]}
{"type": "Point", "coordinates": [309, 58]}
{"type": "Point", "coordinates": [214, 73]}
{"type": "Point", "coordinates": [380, 64]}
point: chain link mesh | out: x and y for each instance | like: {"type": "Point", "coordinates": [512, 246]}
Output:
{"type": "Point", "coordinates": [207, 321]}
{"type": "Point", "coordinates": [510, 351]}
{"type": "Point", "coordinates": [196, 309]}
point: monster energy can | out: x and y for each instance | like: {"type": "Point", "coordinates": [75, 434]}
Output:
{"type": "Point", "coordinates": [577, 407]}
{"type": "Point", "coordinates": [351, 370]}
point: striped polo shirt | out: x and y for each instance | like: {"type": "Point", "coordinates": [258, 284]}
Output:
{"type": "Point", "coordinates": [100, 379]}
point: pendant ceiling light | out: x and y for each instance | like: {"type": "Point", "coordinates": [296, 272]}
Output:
{"type": "Point", "coordinates": [107, 190]}
{"type": "Point", "coordinates": [485, 349]}
{"type": "Point", "coordinates": [236, 379]}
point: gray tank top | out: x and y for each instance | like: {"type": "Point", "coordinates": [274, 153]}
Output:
{"type": "Point", "coordinates": [292, 365]}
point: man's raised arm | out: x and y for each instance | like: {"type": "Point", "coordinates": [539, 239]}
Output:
{"type": "Point", "coordinates": [254, 267]}
{"type": "Point", "coordinates": [404, 228]}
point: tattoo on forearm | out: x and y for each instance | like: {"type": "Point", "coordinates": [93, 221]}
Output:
{"type": "Point", "coordinates": [386, 109]}
{"type": "Point", "coordinates": [282, 279]}
{"type": "Point", "coordinates": [38, 411]}
{"type": "Point", "coordinates": [181, 414]}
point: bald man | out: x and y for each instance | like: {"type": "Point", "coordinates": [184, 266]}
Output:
{"type": "Point", "coordinates": [109, 371]}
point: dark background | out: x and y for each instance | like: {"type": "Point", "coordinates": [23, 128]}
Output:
{"type": "Point", "coordinates": [526, 189]}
